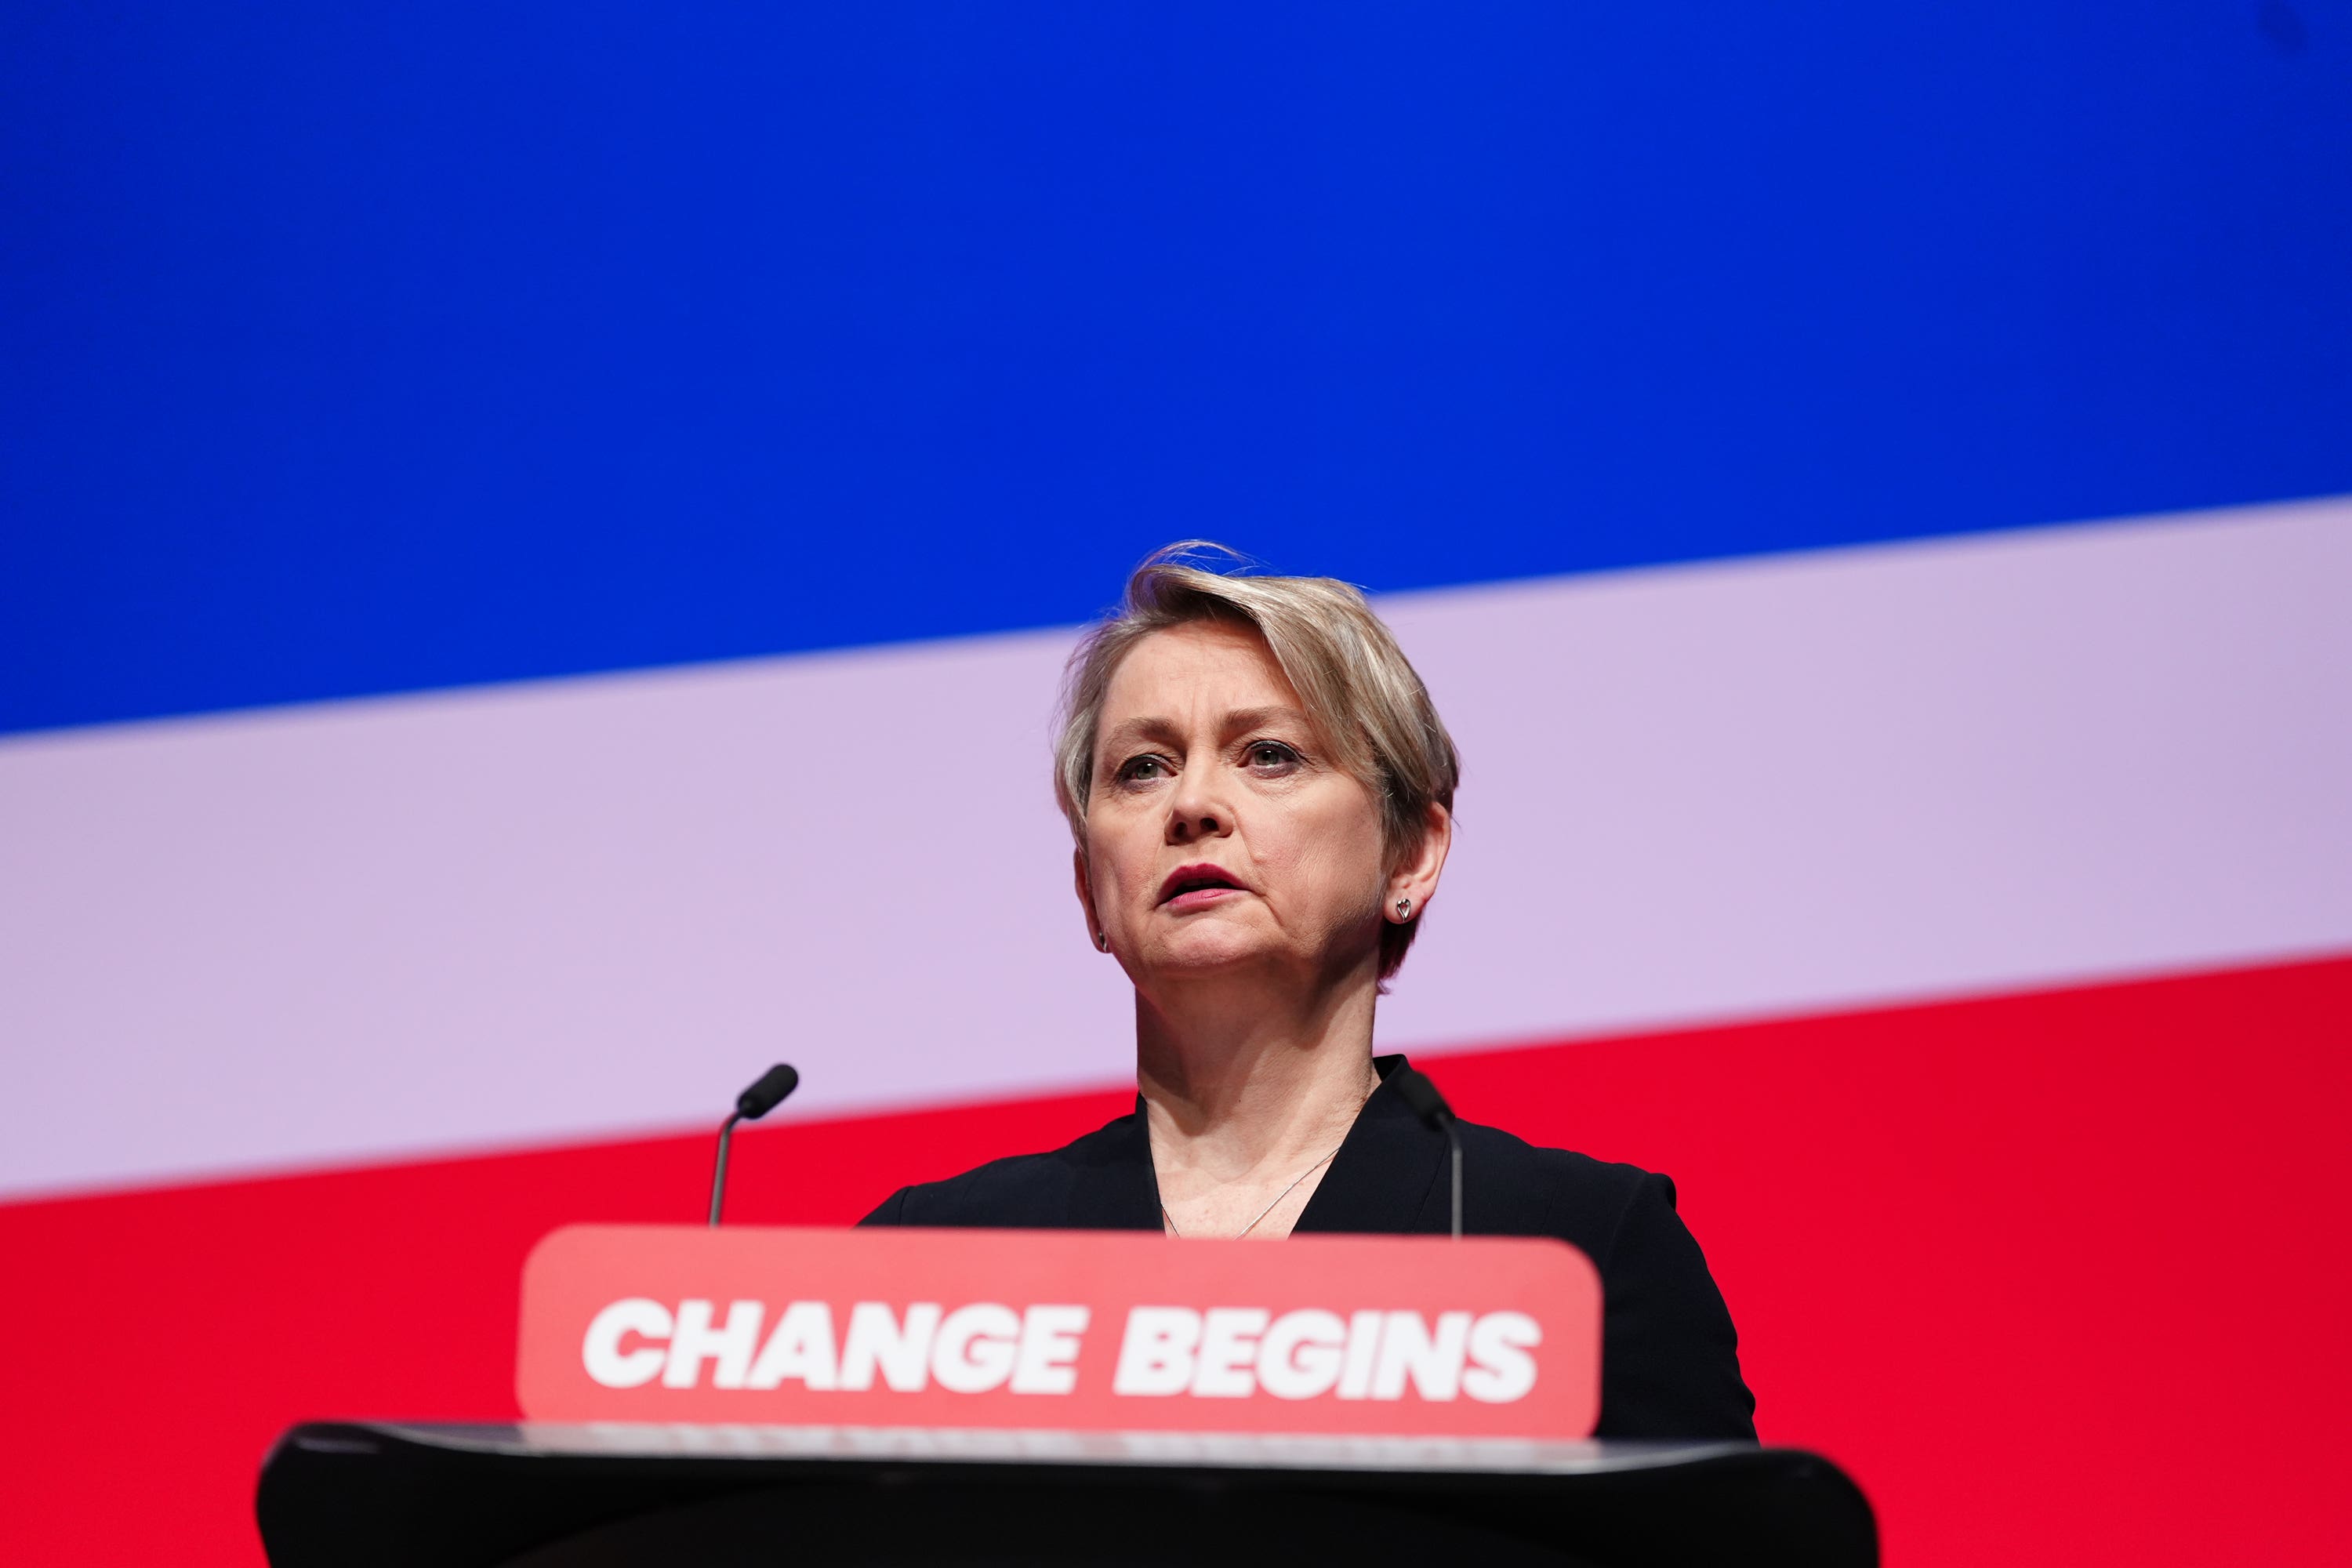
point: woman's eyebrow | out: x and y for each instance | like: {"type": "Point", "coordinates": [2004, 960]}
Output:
{"type": "Point", "coordinates": [1161, 730]}
{"type": "Point", "coordinates": [1242, 719]}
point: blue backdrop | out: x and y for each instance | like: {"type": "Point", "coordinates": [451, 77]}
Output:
{"type": "Point", "coordinates": [367, 347]}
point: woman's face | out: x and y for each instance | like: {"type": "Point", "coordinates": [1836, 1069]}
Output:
{"type": "Point", "coordinates": [1221, 835]}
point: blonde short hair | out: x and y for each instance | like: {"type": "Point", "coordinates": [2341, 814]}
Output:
{"type": "Point", "coordinates": [1357, 687]}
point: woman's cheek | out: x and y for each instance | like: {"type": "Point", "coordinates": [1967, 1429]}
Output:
{"type": "Point", "coordinates": [1115, 853]}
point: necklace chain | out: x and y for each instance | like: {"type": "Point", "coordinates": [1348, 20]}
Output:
{"type": "Point", "coordinates": [1170, 1219]}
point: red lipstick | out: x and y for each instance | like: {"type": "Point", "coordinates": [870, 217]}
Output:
{"type": "Point", "coordinates": [1197, 886]}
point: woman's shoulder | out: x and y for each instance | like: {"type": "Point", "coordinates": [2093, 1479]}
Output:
{"type": "Point", "coordinates": [1673, 1363]}
{"type": "Point", "coordinates": [1529, 1190]}
{"type": "Point", "coordinates": [1027, 1192]}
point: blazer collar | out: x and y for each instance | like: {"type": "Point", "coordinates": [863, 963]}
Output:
{"type": "Point", "coordinates": [1379, 1183]}
{"type": "Point", "coordinates": [1115, 1187]}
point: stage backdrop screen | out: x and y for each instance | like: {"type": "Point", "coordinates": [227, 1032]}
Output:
{"type": "Point", "coordinates": [537, 543]}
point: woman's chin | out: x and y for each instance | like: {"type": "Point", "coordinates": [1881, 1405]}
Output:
{"type": "Point", "coordinates": [1199, 954]}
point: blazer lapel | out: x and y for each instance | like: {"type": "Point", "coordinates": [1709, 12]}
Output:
{"type": "Point", "coordinates": [1381, 1181]}
{"type": "Point", "coordinates": [1117, 1189]}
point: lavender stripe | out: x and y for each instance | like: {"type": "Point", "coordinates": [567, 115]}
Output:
{"type": "Point", "coordinates": [581, 909]}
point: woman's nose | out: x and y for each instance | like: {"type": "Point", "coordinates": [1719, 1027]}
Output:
{"type": "Point", "coordinates": [1194, 814]}
{"type": "Point", "coordinates": [1183, 827]}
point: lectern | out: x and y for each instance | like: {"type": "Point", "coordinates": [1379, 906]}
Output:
{"type": "Point", "coordinates": [618, 1496]}
{"type": "Point", "coordinates": [707, 1399]}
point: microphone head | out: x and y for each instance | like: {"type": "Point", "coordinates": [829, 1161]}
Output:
{"type": "Point", "coordinates": [768, 1093]}
{"type": "Point", "coordinates": [1422, 1095]}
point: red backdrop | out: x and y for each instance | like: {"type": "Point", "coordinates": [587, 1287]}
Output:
{"type": "Point", "coordinates": [2058, 1277]}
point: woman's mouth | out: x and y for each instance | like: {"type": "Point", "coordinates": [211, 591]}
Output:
{"type": "Point", "coordinates": [1197, 887]}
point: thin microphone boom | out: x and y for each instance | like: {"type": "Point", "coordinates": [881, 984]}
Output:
{"type": "Point", "coordinates": [1438, 1117]}
{"type": "Point", "coordinates": [750, 1106]}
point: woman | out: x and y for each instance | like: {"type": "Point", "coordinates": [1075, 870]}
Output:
{"type": "Point", "coordinates": [1261, 793]}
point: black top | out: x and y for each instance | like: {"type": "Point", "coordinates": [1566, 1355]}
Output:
{"type": "Point", "coordinates": [1670, 1358]}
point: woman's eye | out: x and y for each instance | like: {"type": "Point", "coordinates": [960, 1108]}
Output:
{"type": "Point", "coordinates": [1270, 756]}
{"type": "Point", "coordinates": [1137, 770]}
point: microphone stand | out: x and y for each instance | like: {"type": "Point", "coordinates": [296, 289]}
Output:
{"type": "Point", "coordinates": [718, 1174]}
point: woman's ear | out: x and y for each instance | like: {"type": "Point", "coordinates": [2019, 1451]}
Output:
{"type": "Point", "coordinates": [1413, 882]}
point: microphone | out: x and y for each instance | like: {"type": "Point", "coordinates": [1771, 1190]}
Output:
{"type": "Point", "coordinates": [750, 1105]}
{"type": "Point", "coordinates": [1438, 1117]}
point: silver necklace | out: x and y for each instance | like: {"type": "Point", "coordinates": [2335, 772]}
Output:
{"type": "Point", "coordinates": [1170, 1219]}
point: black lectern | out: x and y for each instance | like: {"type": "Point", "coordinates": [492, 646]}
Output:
{"type": "Point", "coordinates": [731, 1497]}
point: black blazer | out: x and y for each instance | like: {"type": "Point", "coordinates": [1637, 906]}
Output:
{"type": "Point", "coordinates": [1670, 1358]}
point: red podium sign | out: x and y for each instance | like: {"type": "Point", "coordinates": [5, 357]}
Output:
{"type": "Point", "coordinates": [1072, 1330]}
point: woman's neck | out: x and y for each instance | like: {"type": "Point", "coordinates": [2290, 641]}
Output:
{"type": "Point", "coordinates": [1243, 1088]}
